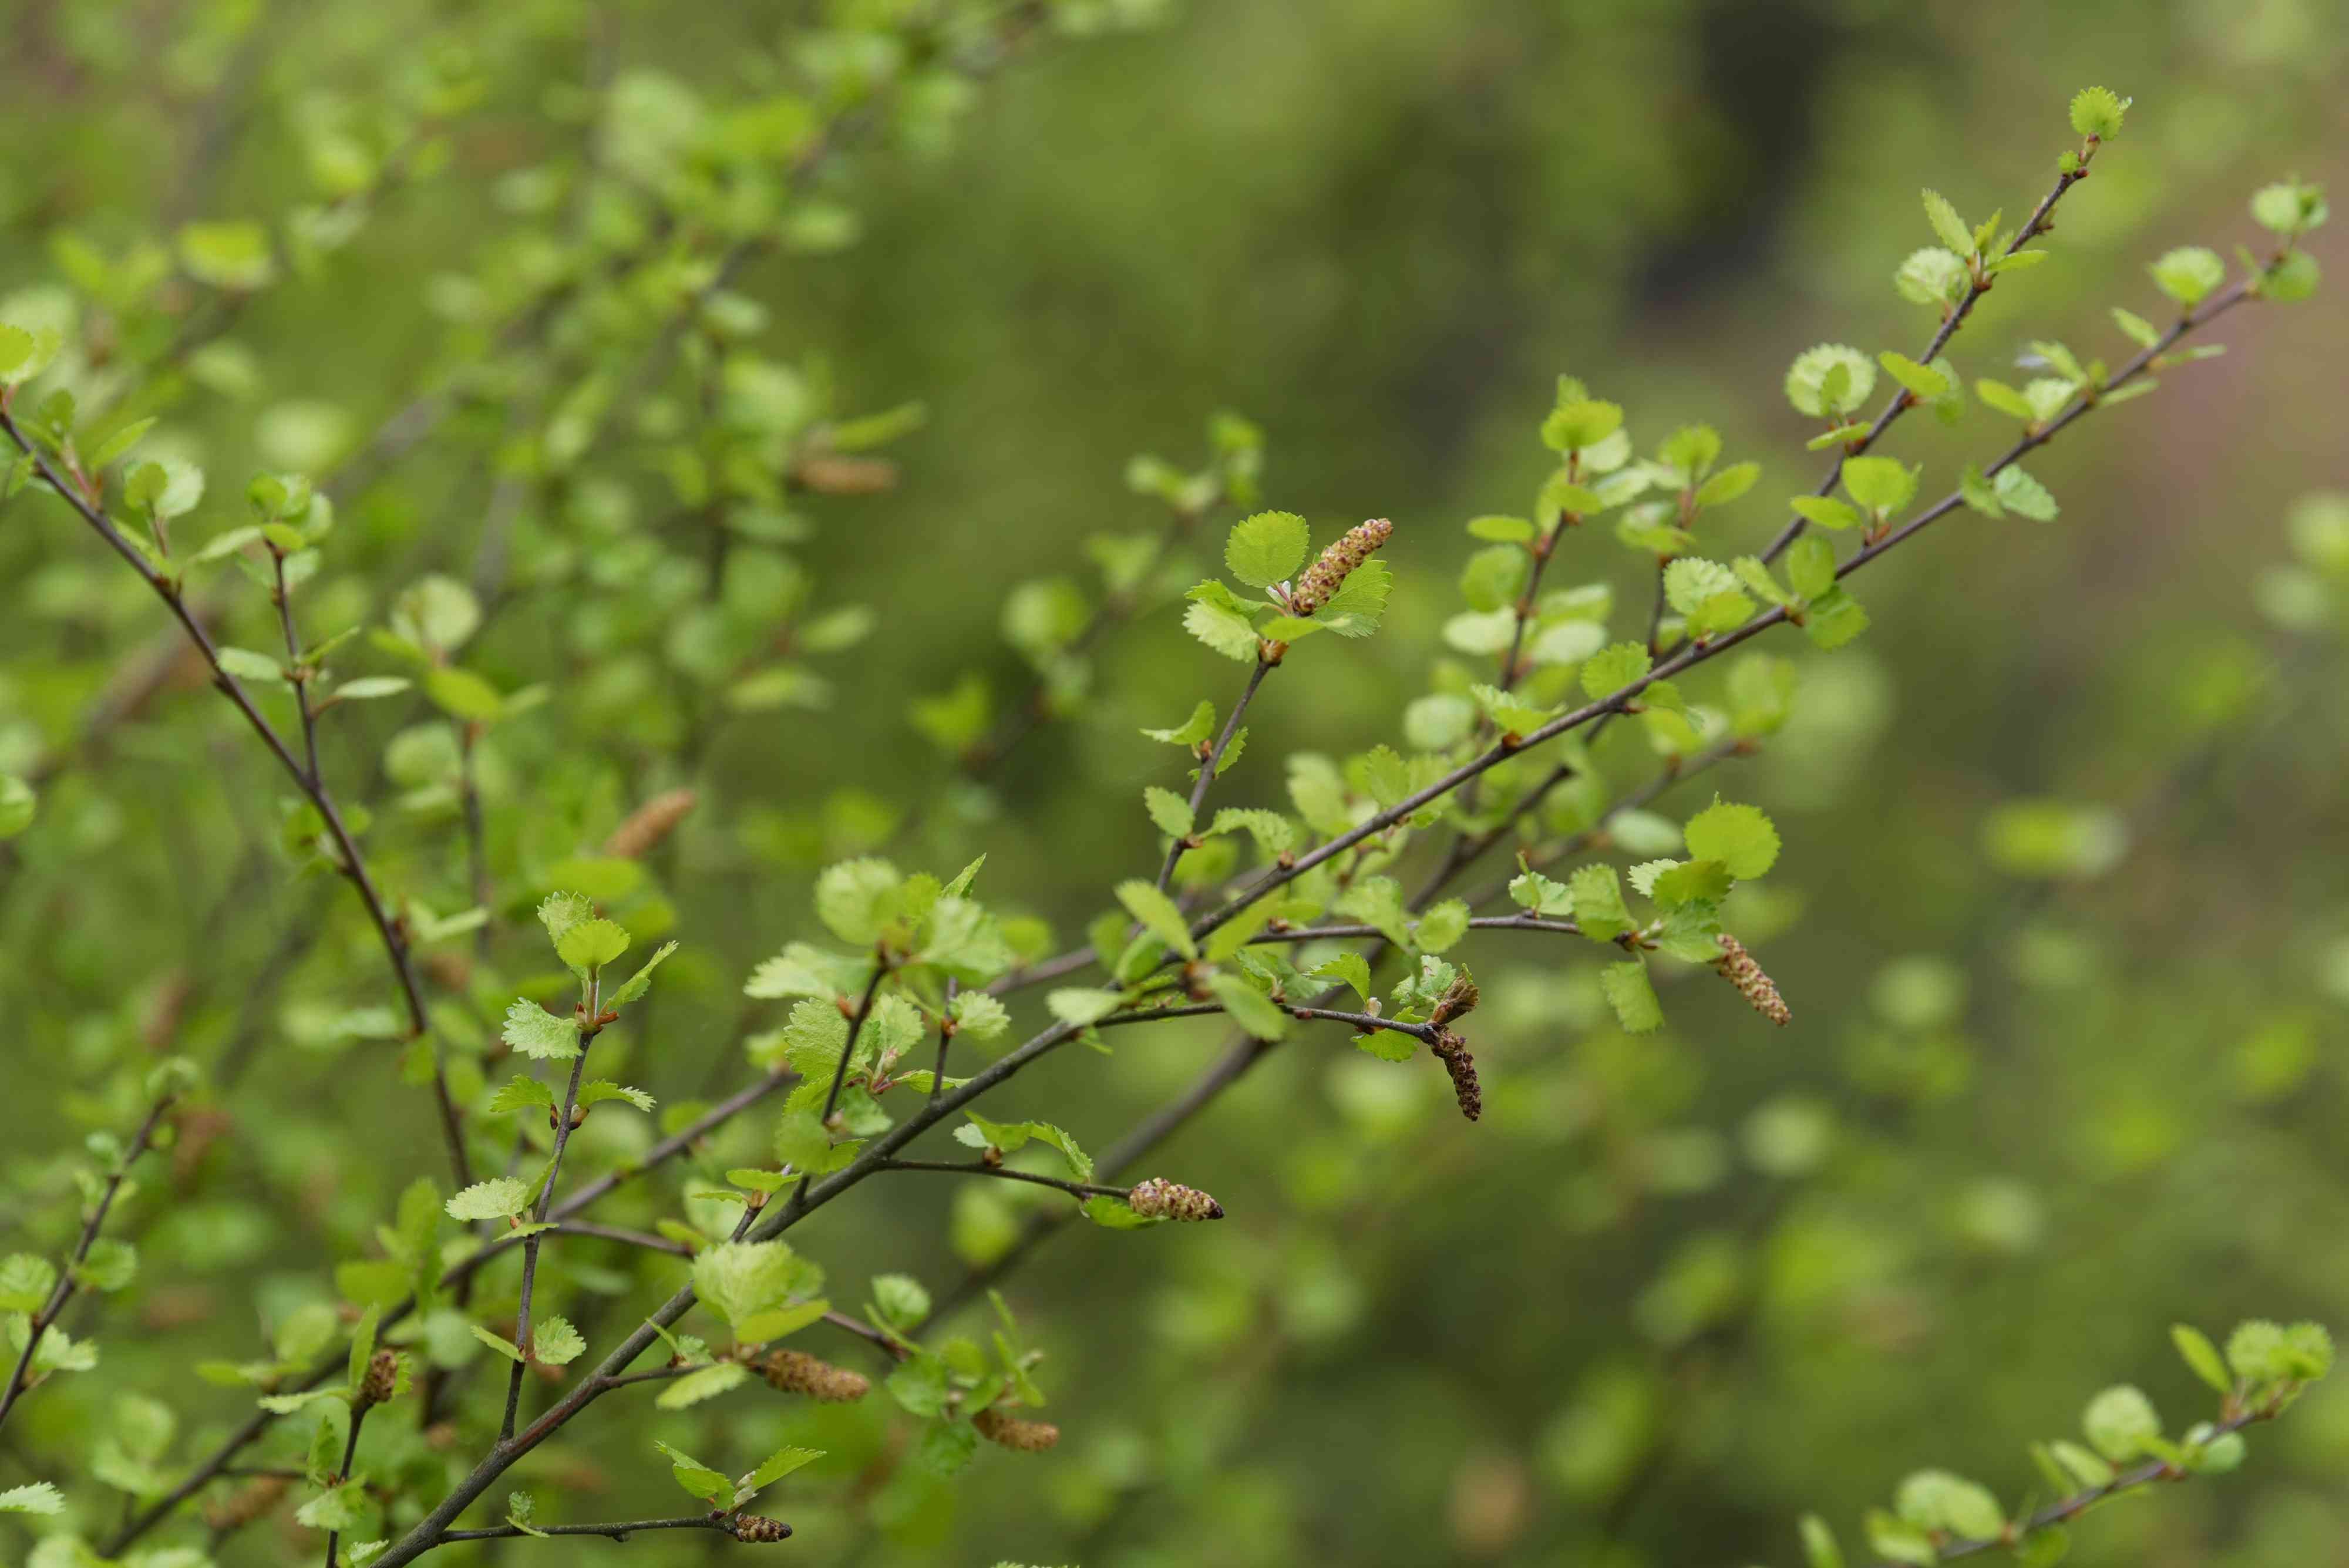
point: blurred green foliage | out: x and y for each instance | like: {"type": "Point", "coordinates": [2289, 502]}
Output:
{"type": "Point", "coordinates": [807, 465]}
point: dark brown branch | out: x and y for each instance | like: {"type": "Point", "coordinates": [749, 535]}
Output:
{"type": "Point", "coordinates": [1005, 1173]}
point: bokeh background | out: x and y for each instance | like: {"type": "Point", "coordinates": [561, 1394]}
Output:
{"type": "Point", "coordinates": [2059, 1077]}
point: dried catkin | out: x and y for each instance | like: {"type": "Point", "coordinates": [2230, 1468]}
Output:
{"type": "Point", "coordinates": [1159, 1199]}
{"type": "Point", "coordinates": [759, 1530]}
{"type": "Point", "coordinates": [1453, 1050]}
{"type": "Point", "coordinates": [1738, 968]}
{"type": "Point", "coordinates": [649, 824]}
{"type": "Point", "coordinates": [381, 1382]}
{"type": "Point", "coordinates": [246, 1504]}
{"type": "Point", "coordinates": [1012, 1432]}
{"type": "Point", "coordinates": [833, 473]}
{"type": "Point", "coordinates": [797, 1372]}
{"type": "Point", "coordinates": [1326, 575]}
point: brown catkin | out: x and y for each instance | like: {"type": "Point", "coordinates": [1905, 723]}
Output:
{"type": "Point", "coordinates": [246, 1504]}
{"type": "Point", "coordinates": [1453, 1050]}
{"type": "Point", "coordinates": [382, 1380]}
{"type": "Point", "coordinates": [1159, 1199]}
{"type": "Point", "coordinates": [1326, 575]}
{"type": "Point", "coordinates": [832, 473]}
{"type": "Point", "coordinates": [797, 1372]}
{"type": "Point", "coordinates": [1738, 968]}
{"type": "Point", "coordinates": [757, 1529]}
{"type": "Point", "coordinates": [649, 824]}
{"type": "Point", "coordinates": [1012, 1432]}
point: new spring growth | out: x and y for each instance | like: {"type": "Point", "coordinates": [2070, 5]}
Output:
{"type": "Point", "coordinates": [1159, 1199]}
{"type": "Point", "coordinates": [797, 1372]}
{"type": "Point", "coordinates": [1738, 968]}
{"type": "Point", "coordinates": [1010, 1432]}
{"type": "Point", "coordinates": [1336, 563]}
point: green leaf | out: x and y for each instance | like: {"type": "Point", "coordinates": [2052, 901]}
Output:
{"type": "Point", "coordinates": [1932, 277]}
{"type": "Point", "coordinates": [856, 898]}
{"type": "Point", "coordinates": [1631, 996]}
{"type": "Point", "coordinates": [555, 1343]}
{"type": "Point", "coordinates": [1829, 381]}
{"type": "Point", "coordinates": [1834, 618]}
{"type": "Point", "coordinates": [244, 664]}
{"type": "Point", "coordinates": [1194, 732]}
{"type": "Point", "coordinates": [1740, 836]}
{"type": "Point", "coordinates": [495, 1198]}
{"type": "Point", "coordinates": [2023, 495]}
{"type": "Point", "coordinates": [774, 1468]}
{"type": "Point", "coordinates": [1599, 907]}
{"type": "Point", "coordinates": [591, 944]}
{"type": "Point", "coordinates": [738, 1280]}
{"type": "Point", "coordinates": [2097, 111]}
{"type": "Point", "coordinates": [1225, 631]}
{"type": "Point", "coordinates": [462, 694]}
{"type": "Point", "coordinates": [697, 1478]}
{"type": "Point", "coordinates": [1826, 511]}
{"type": "Point", "coordinates": [39, 1497]}
{"type": "Point", "coordinates": [1170, 811]}
{"type": "Point", "coordinates": [1979, 492]}
{"type": "Point", "coordinates": [603, 1089]}
{"type": "Point", "coordinates": [1883, 484]}
{"type": "Point", "coordinates": [702, 1383]}
{"type": "Point", "coordinates": [1249, 1008]}
{"type": "Point", "coordinates": [497, 1342]}
{"type": "Point", "coordinates": [1442, 927]}
{"type": "Point", "coordinates": [1267, 548]}
{"type": "Point", "coordinates": [642, 981]}
{"type": "Point", "coordinates": [1351, 968]}
{"type": "Point", "coordinates": [1580, 424]}
{"type": "Point", "coordinates": [2121, 1423]}
{"type": "Point", "coordinates": [2203, 1357]}
{"type": "Point", "coordinates": [1079, 1005]}
{"type": "Point", "coordinates": [1922, 379]}
{"type": "Point", "coordinates": [1728, 485]}
{"type": "Point", "coordinates": [1610, 670]}
{"type": "Point", "coordinates": [2189, 274]}
{"type": "Point", "coordinates": [1948, 225]}
{"type": "Point", "coordinates": [1157, 914]}
{"type": "Point", "coordinates": [18, 806]}
{"type": "Point", "coordinates": [25, 1282]}
{"type": "Point", "coordinates": [534, 1032]}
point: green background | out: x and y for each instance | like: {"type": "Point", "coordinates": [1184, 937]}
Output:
{"type": "Point", "coordinates": [1672, 1292]}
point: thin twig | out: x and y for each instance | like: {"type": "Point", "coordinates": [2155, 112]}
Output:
{"type": "Point", "coordinates": [68, 1284]}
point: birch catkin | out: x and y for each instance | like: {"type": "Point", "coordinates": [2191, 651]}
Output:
{"type": "Point", "coordinates": [1326, 575]}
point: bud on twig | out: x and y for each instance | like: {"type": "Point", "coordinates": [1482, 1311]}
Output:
{"type": "Point", "coordinates": [1012, 1432]}
{"type": "Point", "coordinates": [759, 1531]}
{"type": "Point", "coordinates": [1159, 1199]}
{"type": "Point", "coordinates": [1454, 1051]}
{"type": "Point", "coordinates": [1458, 1001]}
{"type": "Point", "coordinates": [1738, 968]}
{"type": "Point", "coordinates": [797, 1372]}
{"type": "Point", "coordinates": [1326, 575]}
{"type": "Point", "coordinates": [649, 824]}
